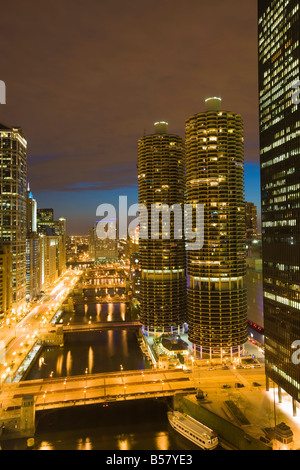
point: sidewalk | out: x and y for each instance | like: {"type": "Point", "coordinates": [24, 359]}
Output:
{"type": "Point", "coordinates": [258, 407]}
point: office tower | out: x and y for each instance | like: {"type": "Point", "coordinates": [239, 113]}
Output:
{"type": "Point", "coordinates": [214, 172]}
{"type": "Point", "coordinates": [13, 169]}
{"type": "Point", "coordinates": [279, 70]}
{"type": "Point", "coordinates": [5, 281]}
{"type": "Point", "coordinates": [161, 176]}
{"type": "Point", "coordinates": [49, 241]}
{"type": "Point", "coordinates": [91, 239]}
{"type": "Point", "coordinates": [45, 218]}
{"type": "Point", "coordinates": [135, 275]}
{"type": "Point", "coordinates": [251, 220]}
{"type": "Point", "coordinates": [102, 249]}
{"type": "Point", "coordinates": [253, 283]}
{"type": "Point", "coordinates": [33, 279]}
{"type": "Point", "coordinates": [61, 232]}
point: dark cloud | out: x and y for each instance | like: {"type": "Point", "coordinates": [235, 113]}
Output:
{"type": "Point", "coordinates": [86, 79]}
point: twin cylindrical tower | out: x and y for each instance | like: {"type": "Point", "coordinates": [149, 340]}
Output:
{"type": "Point", "coordinates": [161, 173]}
{"type": "Point", "coordinates": [203, 287]}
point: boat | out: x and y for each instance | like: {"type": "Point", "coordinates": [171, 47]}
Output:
{"type": "Point", "coordinates": [193, 430]}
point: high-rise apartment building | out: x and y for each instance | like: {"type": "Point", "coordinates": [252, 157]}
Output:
{"type": "Point", "coordinates": [279, 72]}
{"type": "Point", "coordinates": [215, 178]}
{"type": "Point", "coordinates": [161, 176]}
{"type": "Point", "coordinates": [13, 169]}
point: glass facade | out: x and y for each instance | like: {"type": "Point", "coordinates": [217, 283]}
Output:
{"type": "Point", "coordinates": [279, 56]}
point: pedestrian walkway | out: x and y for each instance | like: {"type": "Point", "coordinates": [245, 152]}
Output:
{"type": "Point", "coordinates": [261, 409]}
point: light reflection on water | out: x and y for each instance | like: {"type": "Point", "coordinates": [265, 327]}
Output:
{"type": "Point", "coordinates": [91, 360]}
{"type": "Point", "coordinates": [136, 425]}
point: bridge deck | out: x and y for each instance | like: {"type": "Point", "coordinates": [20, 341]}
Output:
{"type": "Point", "coordinates": [76, 327]}
{"type": "Point", "coordinates": [97, 388]}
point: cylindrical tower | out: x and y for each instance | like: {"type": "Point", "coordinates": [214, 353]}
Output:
{"type": "Point", "coordinates": [161, 176]}
{"type": "Point", "coordinates": [217, 310]}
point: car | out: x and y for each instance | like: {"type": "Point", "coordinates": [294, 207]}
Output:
{"type": "Point", "coordinates": [211, 368]}
{"type": "Point", "coordinates": [226, 386]}
{"type": "Point", "coordinates": [225, 367]}
{"type": "Point", "coordinates": [256, 384]}
{"type": "Point", "coordinates": [200, 395]}
{"type": "Point", "coordinates": [239, 385]}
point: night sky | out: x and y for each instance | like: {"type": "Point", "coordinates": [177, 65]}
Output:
{"type": "Point", "coordinates": [85, 80]}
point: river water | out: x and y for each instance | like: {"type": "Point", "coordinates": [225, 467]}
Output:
{"type": "Point", "coordinates": [131, 425]}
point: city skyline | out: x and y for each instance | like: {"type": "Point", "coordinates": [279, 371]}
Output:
{"type": "Point", "coordinates": [118, 97]}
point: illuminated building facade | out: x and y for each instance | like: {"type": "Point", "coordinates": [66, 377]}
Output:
{"type": "Point", "coordinates": [45, 218]}
{"type": "Point", "coordinates": [279, 70]}
{"type": "Point", "coordinates": [49, 241]}
{"type": "Point", "coordinates": [13, 173]}
{"type": "Point", "coordinates": [217, 310]}
{"type": "Point", "coordinates": [102, 249]}
{"type": "Point", "coordinates": [251, 220]}
{"type": "Point", "coordinates": [5, 281]}
{"type": "Point", "coordinates": [161, 176]}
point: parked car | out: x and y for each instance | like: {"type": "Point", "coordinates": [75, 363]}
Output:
{"type": "Point", "coordinates": [239, 385]}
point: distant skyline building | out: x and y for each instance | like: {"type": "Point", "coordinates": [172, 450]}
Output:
{"type": "Point", "coordinates": [33, 275]}
{"type": "Point", "coordinates": [161, 178]}
{"type": "Point", "coordinates": [45, 215]}
{"type": "Point", "coordinates": [48, 226]}
{"type": "Point", "coordinates": [279, 70]}
{"type": "Point", "coordinates": [13, 175]}
{"type": "Point", "coordinates": [49, 241]}
{"type": "Point", "coordinates": [217, 310]}
{"type": "Point", "coordinates": [5, 281]}
{"type": "Point", "coordinates": [251, 220]}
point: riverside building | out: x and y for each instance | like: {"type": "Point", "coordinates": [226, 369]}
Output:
{"type": "Point", "coordinates": [161, 177]}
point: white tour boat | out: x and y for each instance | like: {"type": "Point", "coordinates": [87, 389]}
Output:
{"type": "Point", "coordinates": [193, 430]}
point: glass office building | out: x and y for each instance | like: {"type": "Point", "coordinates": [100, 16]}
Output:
{"type": "Point", "coordinates": [217, 311]}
